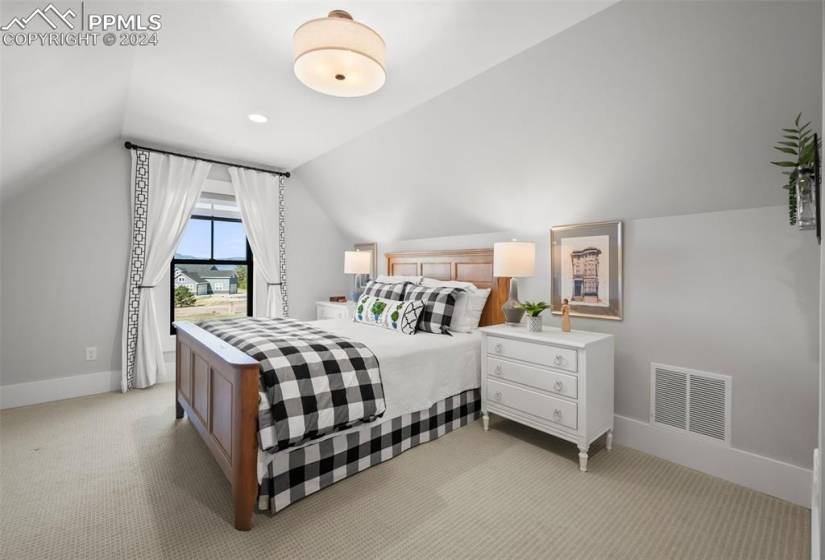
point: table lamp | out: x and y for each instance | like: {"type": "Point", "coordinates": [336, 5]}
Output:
{"type": "Point", "coordinates": [513, 259]}
{"type": "Point", "coordinates": [358, 263]}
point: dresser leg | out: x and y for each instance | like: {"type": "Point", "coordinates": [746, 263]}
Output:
{"type": "Point", "coordinates": [609, 442]}
{"type": "Point", "coordinates": [583, 457]}
{"type": "Point", "coordinates": [485, 421]}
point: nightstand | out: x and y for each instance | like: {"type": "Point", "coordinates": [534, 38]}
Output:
{"type": "Point", "coordinates": [559, 383]}
{"type": "Point", "coordinates": [334, 310]}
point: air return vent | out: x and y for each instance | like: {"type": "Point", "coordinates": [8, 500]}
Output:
{"type": "Point", "coordinates": [691, 401]}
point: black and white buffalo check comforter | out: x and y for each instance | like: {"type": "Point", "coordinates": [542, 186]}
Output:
{"type": "Point", "coordinates": [312, 382]}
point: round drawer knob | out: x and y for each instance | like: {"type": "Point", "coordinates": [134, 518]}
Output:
{"type": "Point", "coordinates": [558, 360]}
{"type": "Point", "coordinates": [558, 385]}
{"type": "Point", "coordinates": [499, 348]}
{"type": "Point", "coordinates": [498, 369]}
{"type": "Point", "coordinates": [498, 395]}
{"type": "Point", "coordinates": [557, 413]}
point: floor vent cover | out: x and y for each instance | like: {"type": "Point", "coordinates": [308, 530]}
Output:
{"type": "Point", "coordinates": [691, 401]}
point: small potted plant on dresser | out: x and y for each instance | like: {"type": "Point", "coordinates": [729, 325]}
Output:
{"type": "Point", "coordinates": [533, 310]}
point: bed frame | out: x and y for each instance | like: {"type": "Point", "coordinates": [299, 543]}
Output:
{"type": "Point", "coordinates": [216, 385]}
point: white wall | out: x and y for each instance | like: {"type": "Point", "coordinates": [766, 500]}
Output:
{"type": "Point", "coordinates": [64, 258]}
{"type": "Point", "coordinates": [818, 533]}
{"type": "Point", "coordinates": [731, 292]}
{"type": "Point", "coordinates": [315, 251]}
{"type": "Point", "coordinates": [646, 109]}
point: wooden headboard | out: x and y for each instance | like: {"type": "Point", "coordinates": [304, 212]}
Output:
{"type": "Point", "coordinates": [468, 265]}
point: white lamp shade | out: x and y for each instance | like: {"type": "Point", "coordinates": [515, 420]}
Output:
{"type": "Point", "coordinates": [338, 56]}
{"type": "Point", "coordinates": [514, 259]}
{"type": "Point", "coordinates": [357, 262]}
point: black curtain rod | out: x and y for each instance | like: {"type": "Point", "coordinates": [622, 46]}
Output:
{"type": "Point", "coordinates": [128, 145]}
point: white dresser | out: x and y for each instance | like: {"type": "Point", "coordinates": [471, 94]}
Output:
{"type": "Point", "coordinates": [556, 382]}
{"type": "Point", "coordinates": [333, 310]}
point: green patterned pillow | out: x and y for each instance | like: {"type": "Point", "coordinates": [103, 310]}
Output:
{"type": "Point", "coordinates": [400, 316]}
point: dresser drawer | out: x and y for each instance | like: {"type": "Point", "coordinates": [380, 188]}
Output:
{"type": "Point", "coordinates": [543, 354]}
{"type": "Point", "coordinates": [543, 379]}
{"type": "Point", "coordinates": [546, 407]}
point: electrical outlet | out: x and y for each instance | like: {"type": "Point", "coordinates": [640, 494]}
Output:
{"type": "Point", "coordinates": [91, 353]}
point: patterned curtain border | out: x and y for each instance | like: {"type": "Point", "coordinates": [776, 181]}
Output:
{"type": "Point", "coordinates": [137, 260]}
{"type": "Point", "coordinates": [282, 246]}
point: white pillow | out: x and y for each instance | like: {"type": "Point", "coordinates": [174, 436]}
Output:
{"type": "Point", "coordinates": [468, 308]}
{"type": "Point", "coordinates": [433, 283]}
{"type": "Point", "coordinates": [384, 279]}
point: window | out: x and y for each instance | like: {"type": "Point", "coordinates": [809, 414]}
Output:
{"type": "Point", "coordinates": [211, 273]}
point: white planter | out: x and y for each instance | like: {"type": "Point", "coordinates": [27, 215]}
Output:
{"type": "Point", "coordinates": [534, 324]}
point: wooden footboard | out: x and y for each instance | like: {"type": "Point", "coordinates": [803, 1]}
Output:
{"type": "Point", "coordinates": [216, 385]}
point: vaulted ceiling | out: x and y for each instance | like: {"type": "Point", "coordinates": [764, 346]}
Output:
{"type": "Point", "coordinates": [645, 109]}
{"type": "Point", "coordinates": [216, 62]}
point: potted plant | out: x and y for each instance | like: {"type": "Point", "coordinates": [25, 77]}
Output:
{"type": "Point", "coordinates": [798, 142]}
{"type": "Point", "coordinates": [533, 310]}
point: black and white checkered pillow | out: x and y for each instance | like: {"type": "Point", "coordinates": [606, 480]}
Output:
{"type": "Point", "coordinates": [439, 304]}
{"type": "Point", "coordinates": [386, 291]}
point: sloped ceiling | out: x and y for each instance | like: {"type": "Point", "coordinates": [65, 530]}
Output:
{"type": "Point", "coordinates": [645, 109]}
{"type": "Point", "coordinates": [216, 62]}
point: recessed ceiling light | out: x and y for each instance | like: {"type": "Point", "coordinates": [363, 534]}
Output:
{"type": "Point", "coordinates": [257, 118]}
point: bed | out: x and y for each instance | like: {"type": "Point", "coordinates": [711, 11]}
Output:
{"type": "Point", "coordinates": [430, 384]}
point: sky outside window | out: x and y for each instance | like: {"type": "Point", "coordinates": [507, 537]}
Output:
{"type": "Point", "coordinates": [195, 240]}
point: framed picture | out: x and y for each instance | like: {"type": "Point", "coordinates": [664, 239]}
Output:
{"type": "Point", "coordinates": [586, 269]}
{"type": "Point", "coordinates": [371, 248]}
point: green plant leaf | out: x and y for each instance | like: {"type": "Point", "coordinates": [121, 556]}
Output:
{"type": "Point", "coordinates": [785, 150]}
{"type": "Point", "coordinates": [796, 121]}
{"type": "Point", "coordinates": [784, 163]}
{"type": "Point", "coordinates": [791, 144]}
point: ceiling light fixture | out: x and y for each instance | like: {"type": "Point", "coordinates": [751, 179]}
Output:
{"type": "Point", "coordinates": [257, 118]}
{"type": "Point", "coordinates": [338, 56]}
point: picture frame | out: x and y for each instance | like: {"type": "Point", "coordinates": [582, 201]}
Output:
{"type": "Point", "coordinates": [373, 249]}
{"type": "Point", "coordinates": [586, 268]}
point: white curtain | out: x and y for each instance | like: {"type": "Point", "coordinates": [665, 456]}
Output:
{"type": "Point", "coordinates": [164, 192]}
{"type": "Point", "coordinates": [260, 198]}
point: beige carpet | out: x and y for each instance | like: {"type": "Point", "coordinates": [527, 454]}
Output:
{"type": "Point", "coordinates": [114, 476]}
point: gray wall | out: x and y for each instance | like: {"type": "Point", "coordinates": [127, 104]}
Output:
{"type": "Point", "coordinates": [64, 245]}
{"type": "Point", "coordinates": [732, 292]}
{"type": "Point", "coordinates": [315, 253]}
{"type": "Point", "coordinates": [818, 534]}
{"type": "Point", "coordinates": [646, 109]}
{"type": "Point", "coordinates": [661, 114]}
{"type": "Point", "coordinates": [65, 241]}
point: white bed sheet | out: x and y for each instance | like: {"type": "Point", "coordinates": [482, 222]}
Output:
{"type": "Point", "coordinates": [416, 370]}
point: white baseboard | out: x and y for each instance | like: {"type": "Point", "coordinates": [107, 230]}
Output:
{"type": "Point", "coordinates": [783, 480]}
{"type": "Point", "coordinates": [60, 388]}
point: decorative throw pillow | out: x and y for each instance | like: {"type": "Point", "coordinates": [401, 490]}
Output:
{"type": "Point", "coordinates": [469, 304]}
{"type": "Point", "coordinates": [439, 304]}
{"type": "Point", "coordinates": [386, 291]}
{"type": "Point", "coordinates": [400, 316]}
{"type": "Point", "coordinates": [468, 309]}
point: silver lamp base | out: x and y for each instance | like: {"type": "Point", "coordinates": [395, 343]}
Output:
{"type": "Point", "coordinates": [512, 314]}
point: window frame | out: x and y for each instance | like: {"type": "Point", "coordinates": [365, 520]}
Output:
{"type": "Point", "coordinates": [248, 262]}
